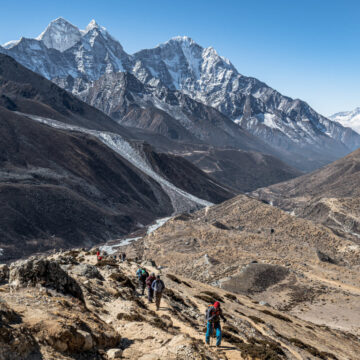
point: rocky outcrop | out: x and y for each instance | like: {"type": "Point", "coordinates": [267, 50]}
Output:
{"type": "Point", "coordinates": [46, 273]}
{"type": "Point", "coordinates": [4, 273]}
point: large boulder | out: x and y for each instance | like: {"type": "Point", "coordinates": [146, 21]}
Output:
{"type": "Point", "coordinates": [88, 271]}
{"type": "Point", "coordinates": [44, 272]}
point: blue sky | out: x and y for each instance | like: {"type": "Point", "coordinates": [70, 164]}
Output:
{"type": "Point", "coordinates": [306, 49]}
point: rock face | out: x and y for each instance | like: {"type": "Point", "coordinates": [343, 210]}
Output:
{"type": "Point", "coordinates": [77, 58]}
{"type": "Point", "coordinates": [45, 272]}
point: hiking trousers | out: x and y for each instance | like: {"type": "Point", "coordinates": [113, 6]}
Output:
{"type": "Point", "coordinates": [142, 286]}
{"type": "Point", "coordinates": [150, 294]}
{"type": "Point", "coordinates": [158, 296]}
{"type": "Point", "coordinates": [209, 330]}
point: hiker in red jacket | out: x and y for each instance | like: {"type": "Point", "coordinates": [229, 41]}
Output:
{"type": "Point", "coordinates": [149, 282]}
{"type": "Point", "coordinates": [213, 315]}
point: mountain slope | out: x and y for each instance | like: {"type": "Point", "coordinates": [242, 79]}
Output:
{"type": "Point", "coordinates": [242, 170]}
{"type": "Point", "coordinates": [330, 195]}
{"type": "Point", "coordinates": [181, 64]}
{"type": "Point", "coordinates": [349, 119]}
{"type": "Point", "coordinates": [248, 247]}
{"type": "Point", "coordinates": [99, 312]}
{"type": "Point", "coordinates": [97, 184]}
{"type": "Point", "coordinates": [63, 189]}
{"type": "Point", "coordinates": [130, 102]}
{"type": "Point", "coordinates": [201, 73]}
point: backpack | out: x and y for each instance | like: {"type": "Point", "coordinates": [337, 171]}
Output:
{"type": "Point", "coordinates": [158, 286]}
{"type": "Point", "coordinates": [143, 275]}
{"type": "Point", "coordinates": [209, 312]}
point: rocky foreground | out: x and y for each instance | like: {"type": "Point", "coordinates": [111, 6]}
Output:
{"type": "Point", "coordinates": [69, 306]}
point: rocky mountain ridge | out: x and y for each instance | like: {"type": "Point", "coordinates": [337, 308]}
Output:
{"type": "Point", "coordinates": [70, 175]}
{"type": "Point", "coordinates": [329, 196]}
{"type": "Point", "coordinates": [181, 64]}
{"type": "Point", "coordinates": [349, 119]}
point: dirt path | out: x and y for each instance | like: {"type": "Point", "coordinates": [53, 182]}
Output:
{"type": "Point", "coordinates": [333, 283]}
{"type": "Point", "coordinates": [230, 352]}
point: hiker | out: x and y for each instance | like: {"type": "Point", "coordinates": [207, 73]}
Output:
{"type": "Point", "coordinates": [213, 314]}
{"type": "Point", "coordinates": [149, 282]}
{"type": "Point", "coordinates": [123, 257]}
{"type": "Point", "coordinates": [158, 286]}
{"type": "Point", "coordinates": [99, 257]}
{"type": "Point", "coordinates": [142, 275]}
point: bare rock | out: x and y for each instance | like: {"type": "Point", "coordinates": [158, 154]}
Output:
{"type": "Point", "coordinates": [88, 271]}
{"type": "Point", "coordinates": [4, 273]}
{"type": "Point", "coordinates": [45, 272]}
{"type": "Point", "coordinates": [88, 341]}
{"type": "Point", "coordinates": [148, 263]}
{"type": "Point", "coordinates": [324, 257]}
{"type": "Point", "coordinates": [114, 354]}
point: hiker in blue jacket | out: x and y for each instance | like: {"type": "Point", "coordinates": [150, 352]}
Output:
{"type": "Point", "coordinates": [158, 286]}
{"type": "Point", "coordinates": [213, 315]}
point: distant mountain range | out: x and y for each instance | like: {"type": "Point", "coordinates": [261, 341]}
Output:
{"type": "Point", "coordinates": [349, 119]}
{"type": "Point", "coordinates": [195, 94]}
{"type": "Point", "coordinates": [71, 176]}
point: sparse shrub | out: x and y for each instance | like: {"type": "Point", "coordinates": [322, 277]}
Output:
{"type": "Point", "coordinates": [312, 350]}
{"type": "Point", "coordinates": [230, 297]}
{"type": "Point", "coordinates": [239, 312]}
{"type": "Point", "coordinates": [173, 278]}
{"type": "Point", "coordinates": [205, 298]}
{"type": "Point", "coordinates": [186, 284]}
{"type": "Point", "coordinates": [256, 319]}
{"type": "Point", "coordinates": [171, 295]}
{"type": "Point", "coordinates": [214, 295]}
{"type": "Point", "coordinates": [278, 316]}
{"type": "Point", "coordinates": [229, 327]}
{"type": "Point", "coordinates": [130, 317]}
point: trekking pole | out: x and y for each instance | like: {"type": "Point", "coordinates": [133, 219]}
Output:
{"type": "Point", "coordinates": [210, 337]}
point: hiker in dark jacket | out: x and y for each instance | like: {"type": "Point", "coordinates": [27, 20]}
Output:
{"type": "Point", "coordinates": [213, 315]}
{"type": "Point", "coordinates": [158, 286]}
{"type": "Point", "coordinates": [142, 275]}
{"type": "Point", "coordinates": [149, 282]}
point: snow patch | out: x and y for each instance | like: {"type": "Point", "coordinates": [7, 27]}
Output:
{"type": "Point", "coordinates": [180, 199]}
{"type": "Point", "coordinates": [159, 223]}
{"type": "Point", "coordinates": [111, 249]}
{"type": "Point", "coordinates": [10, 44]}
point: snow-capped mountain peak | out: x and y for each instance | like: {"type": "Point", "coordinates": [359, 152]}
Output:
{"type": "Point", "coordinates": [60, 35]}
{"type": "Point", "coordinates": [92, 24]}
{"type": "Point", "coordinates": [10, 44]}
{"type": "Point", "coordinates": [181, 64]}
{"type": "Point", "coordinates": [349, 119]}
